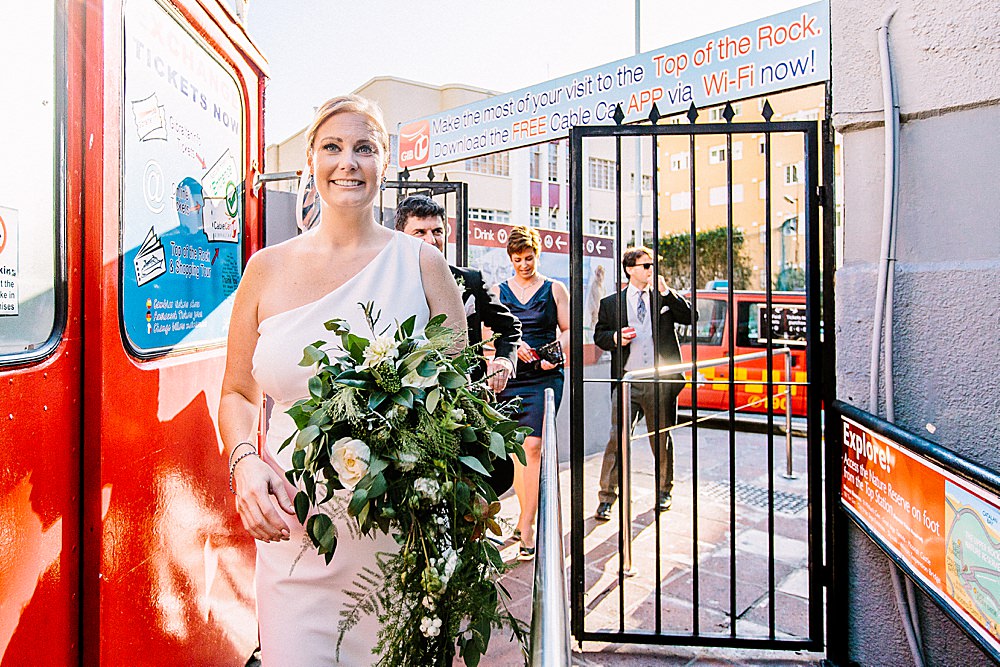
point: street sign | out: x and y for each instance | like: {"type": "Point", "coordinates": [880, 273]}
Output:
{"type": "Point", "coordinates": [493, 235]}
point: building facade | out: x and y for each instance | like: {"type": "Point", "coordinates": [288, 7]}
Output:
{"type": "Point", "coordinates": [946, 271]}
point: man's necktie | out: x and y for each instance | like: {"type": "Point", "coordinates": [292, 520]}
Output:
{"type": "Point", "coordinates": [640, 308]}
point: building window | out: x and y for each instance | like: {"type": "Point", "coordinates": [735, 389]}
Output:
{"type": "Point", "coordinates": [680, 201]}
{"type": "Point", "coordinates": [717, 155]}
{"type": "Point", "coordinates": [762, 188]}
{"type": "Point", "coordinates": [647, 183]}
{"type": "Point", "coordinates": [534, 216]}
{"type": "Point", "coordinates": [489, 215]}
{"type": "Point", "coordinates": [535, 163]}
{"type": "Point", "coordinates": [495, 164]}
{"type": "Point", "coordinates": [737, 150]}
{"type": "Point", "coordinates": [553, 162]}
{"type": "Point", "coordinates": [763, 143]}
{"type": "Point", "coordinates": [791, 174]}
{"type": "Point", "coordinates": [679, 162]}
{"type": "Point", "coordinates": [601, 227]}
{"type": "Point", "coordinates": [717, 196]}
{"type": "Point", "coordinates": [602, 174]}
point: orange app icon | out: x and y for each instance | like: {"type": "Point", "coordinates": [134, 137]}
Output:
{"type": "Point", "coordinates": [414, 144]}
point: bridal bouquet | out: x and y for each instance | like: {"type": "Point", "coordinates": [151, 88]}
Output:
{"type": "Point", "coordinates": [397, 422]}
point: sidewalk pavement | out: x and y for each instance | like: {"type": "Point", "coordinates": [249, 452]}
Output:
{"type": "Point", "coordinates": [604, 597]}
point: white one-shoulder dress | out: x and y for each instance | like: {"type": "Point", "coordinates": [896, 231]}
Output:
{"type": "Point", "coordinates": [299, 596]}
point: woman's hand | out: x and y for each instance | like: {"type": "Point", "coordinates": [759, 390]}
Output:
{"type": "Point", "coordinates": [546, 366]}
{"type": "Point", "coordinates": [526, 353]}
{"type": "Point", "coordinates": [255, 482]}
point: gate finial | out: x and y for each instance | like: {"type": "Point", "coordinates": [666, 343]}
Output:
{"type": "Point", "coordinates": [619, 115]}
{"type": "Point", "coordinates": [405, 174]}
{"type": "Point", "coordinates": [728, 112]}
{"type": "Point", "coordinates": [430, 174]}
{"type": "Point", "coordinates": [767, 111]}
{"type": "Point", "coordinates": [654, 114]}
{"type": "Point", "coordinates": [692, 113]}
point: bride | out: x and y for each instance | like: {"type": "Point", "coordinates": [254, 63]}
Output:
{"type": "Point", "coordinates": [288, 291]}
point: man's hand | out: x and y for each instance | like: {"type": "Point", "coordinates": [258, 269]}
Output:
{"type": "Point", "coordinates": [625, 335]}
{"type": "Point", "coordinates": [497, 373]}
{"type": "Point", "coordinates": [662, 284]}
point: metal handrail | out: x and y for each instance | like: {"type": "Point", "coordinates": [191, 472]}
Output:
{"type": "Point", "coordinates": [550, 640]}
{"type": "Point", "coordinates": [625, 461]}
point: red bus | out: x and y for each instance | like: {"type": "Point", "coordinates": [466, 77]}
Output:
{"type": "Point", "coordinates": [712, 335]}
{"type": "Point", "coordinates": [132, 133]}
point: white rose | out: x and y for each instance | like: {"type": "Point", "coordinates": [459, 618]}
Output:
{"type": "Point", "coordinates": [415, 379]}
{"type": "Point", "coordinates": [349, 458]}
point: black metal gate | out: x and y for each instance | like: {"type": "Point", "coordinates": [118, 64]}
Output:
{"type": "Point", "coordinates": [444, 188]}
{"type": "Point", "coordinates": [742, 550]}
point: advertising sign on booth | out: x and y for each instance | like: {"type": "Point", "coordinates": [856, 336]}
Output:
{"type": "Point", "coordinates": [945, 529]}
{"type": "Point", "coordinates": [182, 185]}
{"type": "Point", "coordinates": [8, 262]}
{"type": "Point", "coordinates": [779, 52]}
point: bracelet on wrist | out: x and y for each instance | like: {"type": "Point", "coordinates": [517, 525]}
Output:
{"type": "Point", "coordinates": [232, 468]}
{"type": "Point", "coordinates": [233, 453]}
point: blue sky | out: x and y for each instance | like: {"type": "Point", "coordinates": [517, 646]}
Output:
{"type": "Point", "coordinates": [320, 48]}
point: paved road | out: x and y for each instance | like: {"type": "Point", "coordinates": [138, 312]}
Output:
{"type": "Point", "coordinates": [606, 600]}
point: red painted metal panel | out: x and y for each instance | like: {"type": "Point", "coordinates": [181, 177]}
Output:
{"type": "Point", "coordinates": [167, 569]}
{"type": "Point", "coordinates": [39, 456]}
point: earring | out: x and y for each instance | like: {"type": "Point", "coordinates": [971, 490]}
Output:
{"type": "Point", "coordinates": [382, 186]}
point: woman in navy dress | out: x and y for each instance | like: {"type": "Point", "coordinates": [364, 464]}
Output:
{"type": "Point", "coordinates": [542, 306]}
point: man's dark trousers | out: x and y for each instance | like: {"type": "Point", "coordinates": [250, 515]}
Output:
{"type": "Point", "coordinates": [643, 404]}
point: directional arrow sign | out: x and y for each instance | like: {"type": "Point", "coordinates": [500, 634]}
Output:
{"type": "Point", "coordinates": [492, 235]}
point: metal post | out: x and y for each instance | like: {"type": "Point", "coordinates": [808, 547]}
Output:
{"type": "Point", "coordinates": [625, 429]}
{"type": "Point", "coordinates": [550, 638]}
{"type": "Point", "coordinates": [789, 474]}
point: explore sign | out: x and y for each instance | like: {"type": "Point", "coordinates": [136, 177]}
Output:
{"type": "Point", "coordinates": [942, 528]}
{"type": "Point", "coordinates": [784, 51]}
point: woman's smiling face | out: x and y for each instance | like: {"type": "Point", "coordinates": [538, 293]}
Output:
{"type": "Point", "coordinates": [524, 263]}
{"type": "Point", "coordinates": [347, 161]}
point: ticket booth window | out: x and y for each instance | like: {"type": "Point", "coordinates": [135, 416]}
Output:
{"type": "Point", "coordinates": [30, 182]}
{"type": "Point", "coordinates": [182, 176]}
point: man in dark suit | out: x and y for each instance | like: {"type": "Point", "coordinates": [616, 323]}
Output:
{"type": "Point", "coordinates": [421, 216]}
{"type": "Point", "coordinates": [631, 348]}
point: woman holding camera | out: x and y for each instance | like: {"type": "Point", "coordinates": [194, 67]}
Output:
{"type": "Point", "coordinates": [542, 306]}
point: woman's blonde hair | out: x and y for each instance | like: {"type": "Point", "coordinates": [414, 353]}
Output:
{"type": "Point", "coordinates": [352, 104]}
{"type": "Point", "coordinates": [523, 238]}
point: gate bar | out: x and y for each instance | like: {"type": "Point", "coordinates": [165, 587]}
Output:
{"type": "Point", "coordinates": [625, 460]}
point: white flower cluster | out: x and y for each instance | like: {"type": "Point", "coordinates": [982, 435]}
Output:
{"type": "Point", "coordinates": [428, 488]}
{"type": "Point", "coordinates": [406, 461]}
{"type": "Point", "coordinates": [446, 566]}
{"type": "Point", "coordinates": [430, 626]}
{"type": "Point", "coordinates": [383, 348]}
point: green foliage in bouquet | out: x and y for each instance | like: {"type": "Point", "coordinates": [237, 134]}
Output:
{"type": "Point", "coordinates": [396, 421]}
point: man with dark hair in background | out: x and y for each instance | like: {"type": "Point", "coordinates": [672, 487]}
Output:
{"type": "Point", "coordinates": [421, 216]}
{"type": "Point", "coordinates": [631, 348]}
